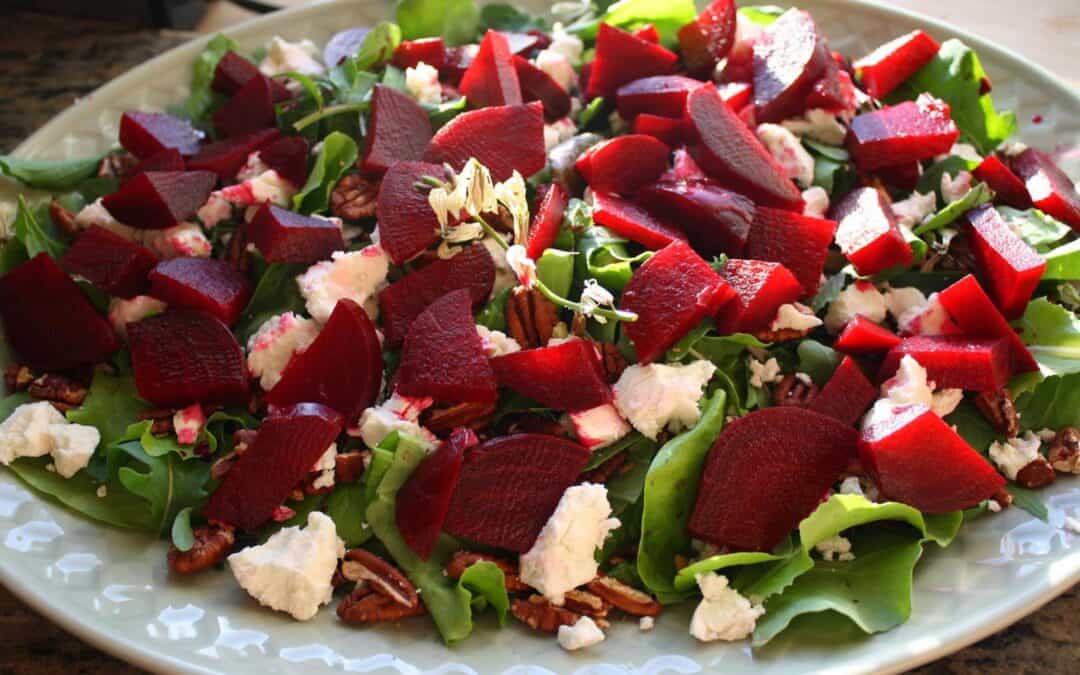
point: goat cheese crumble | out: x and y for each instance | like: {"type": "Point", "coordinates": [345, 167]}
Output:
{"type": "Point", "coordinates": [860, 297]}
{"type": "Point", "coordinates": [815, 202]}
{"type": "Point", "coordinates": [764, 372]}
{"type": "Point", "coordinates": [496, 342]}
{"type": "Point", "coordinates": [397, 413]}
{"type": "Point", "coordinates": [283, 57]}
{"type": "Point", "coordinates": [123, 311]}
{"type": "Point", "coordinates": [356, 275]}
{"type": "Point", "coordinates": [657, 396]}
{"type": "Point", "coordinates": [723, 613]}
{"type": "Point", "coordinates": [275, 342]}
{"type": "Point", "coordinates": [38, 429]}
{"type": "Point", "coordinates": [584, 633]}
{"type": "Point", "coordinates": [422, 83]}
{"type": "Point", "coordinates": [909, 386]}
{"type": "Point", "coordinates": [794, 316]}
{"type": "Point", "coordinates": [188, 423]}
{"type": "Point", "coordinates": [789, 153]}
{"type": "Point", "coordinates": [1014, 454]}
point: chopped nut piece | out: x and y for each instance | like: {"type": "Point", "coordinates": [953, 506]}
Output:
{"type": "Point", "coordinates": [116, 165]}
{"type": "Point", "coordinates": [350, 466]}
{"type": "Point", "coordinates": [1039, 473]}
{"type": "Point", "coordinates": [539, 614]}
{"type": "Point", "coordinates": [382, 591]}
{"type": "Point", "coordinates": [625, 598]}
{"type": "Point", "coordinates": [212, 543]}
{"type": "Point", "coordinates": [162, 420]}
{"type": "Point", "coordinates": [999, 409]}
{"type": "Point", "coordinates": [530, 317]}
{"type": "Point", "coordinates": [793, 391]}
{"type": "Point", "coordinates": [17, 378]}
{"type": "Point", "coordinates": [584, 602]}
{"type": "Point", "coordinates": [1065, 451]}
{"type": "Point", "coordinates": [463, 560]}
{"type": "Point", "coordinates": [63, 219]}
{"type": "Point", "coordinates": [612, 360]}
{"type": "Point", "coordinates": [354, 197]}
{"type": "Point", "coordinates": [237, 253]}
{"type": "Point", "coordinates": [58, 389]}
{"type": "Point", "coordinates": [442, 420]}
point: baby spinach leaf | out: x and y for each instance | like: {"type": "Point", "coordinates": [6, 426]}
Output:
{"type": "Point", "coordinates": [182, 536]}
{"type": "Point", "coordinates": [346, 507]}
{"type": "Point", "coordinates": [36, 231]}
{"type": "Point", "coordinates": [817, 360]}
{"type": "Point", "coordinates": [556, 269]}
{"type": "Point", "coordinates": [1063, 263]}
{"type": "Point", "coordinates": [338, 153]}
{"type": "Point", "coordinates": [276, 293]}
{"type": "Point", "coordinates": [455, 21]}
{"type": "Point", "coordinates": [978, 195]}
{"type": "Point", "coordinates": [602, 455]}
{"type": "Point", "coordinates": [603, 256]}
{"type": "Point", "coordinates": [930, 181]}
{"type": "Point", "coordinates": [972, 426]}
{"type": "Point", "coordinates": [625, 487]}
{"type": "Point", "coordinates": [485, 580]}
{"type": "Point", "coordinates": [111, 406]}
{"type": "Point", "coordinates": [12, 255]}
{"type": "Point", "coordinates": [829, 291]}
{"type": "Point", "coordinates": [378, 46]}
{"type": "Point", "coordinates": [493, 315]}
{"type": "Point", "coordinates": [202, 98]}
{"type": "Point", "coordinates": [49, 174]}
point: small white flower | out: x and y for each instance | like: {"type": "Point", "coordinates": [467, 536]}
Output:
{"type": "Point", "coordinates": [511, 194]}
{"type": "Point", "coordinates": [471, 191]}
{"type": "Point", "coordinates": [593, 297]}
{"type": "Point", "coordinates": [522, 265]}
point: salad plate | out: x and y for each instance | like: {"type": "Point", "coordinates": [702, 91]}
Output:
{"type": "Point", "coordinates": [114, 589]}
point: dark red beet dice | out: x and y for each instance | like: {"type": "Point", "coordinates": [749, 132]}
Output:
{"type": "Point", "coordinates": [789, 57]}
{"type": "Point", "coordinates": [158, 200]}
{"type": "Point", "coordinates": [147, 133]}
{"type": "Point", "coordinates": [457, 61]}
{"type": "Point", "coordinates": [955, 363]}
{"type": "Point", "coordinates": [715, 220]}
{"type": "Point", "coordinates": [536, 85]}
{"type": "Point", "coordinates": [281, 456]}
{"type": "Point", "coordinates": [622, 57]}
{"type": "Point", "coordinates": [708, 38]}
{"type": "Point", "coordinates": [286, 236]}
{"type": "Point", "coordinates": [110, 262]}
{"type": "Point", "coordinates": [409, 53]}
{"type": "Point", "coordinates": [48, 321]}
{"type": "Point", "coordinates": [665, 129]}
{"type": "Point", "coordinates": [504, 139]}
{"type": "Point", "coordinates": [407, 224]}
{"type": "Point", "coordinates": [547, 219]}
{"type": "Point", "coordinates": [1009, 267]}
{"type": "Point", "coordinates": [212, 286]}
{"type": "Point", "coordinates": [902, 176]}
{"type": "Point", "coordinates": [847, 394]}
{"type": "Point", "coordinates": [342, 368]}
{"type": "Point", "coordinates": [166, 160]}
{"type": "Point", "coordinates": [251, 108]}
{"type": "Point", "coordinates": [623, 164]}
{"type": "Point", "coordinates": [1006, 185]}
{"type": "Point", "coordinates": [737, 95]}
{"type": "Point", "coordinates": [799, 242]}
{"type": "Point", "coordinates": [491, 79]}
{"type": "Point", "coordinates": [903, 133]}
{"type": "Point", "coordinates": [916, 458]}
{"type": "Point", "coordinates": [289, 157]}
{"type": "Point", "coordinates": [671, 294]}
{"type": "Point", "coordinates": [234, 71]}
{"type": "Point", "coordinates": [567, 376]}
{"type": "Point", "coordinates": [762, 477]}
{"type": "Point", "coordinates": [443, 356]}
{"type": "Point", "coordinates": [663, 95]}
{"type": "Point", "coordinates": [867, 233]}
{"type": "Point", "coordinates": [225, 157]}
{"type": "Point", "coordinates": [509, 487]}
{"type": "Point", "coordinates": [183, 357]}
{"type": "Point", "coordinates": [1050, 189]}
{"type": "Point", "coordinates": [424, 499]}
{"type": "Point", "coordinates": [731, 153]}
{"type": "Point", "coordinates": [402, 301]}
{"type": "Point", "coordinates": [883, 69]}
{"type": "Point", "coordinates": [863, 336]}
{"type": "Point", "coordinates": [972, 310]}
{"type": "Point", "coordinates": [629, 220]}
{"type": "Point", "coordinates": [760, 288]}
{"type": "Point", "coordinates": [398, 129]}
{"type": "Point", "coordinates": [833, 92]}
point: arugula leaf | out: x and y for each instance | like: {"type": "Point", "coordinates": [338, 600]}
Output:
{"type": "Point", "coordinates": [182, 536]}
{"type": "Point", "coordinates": [972, 426]}
{"type": "Point", "coordinates": [1063, 263]}
{"type": "Point", "coordinates": [111, 406]}
{"type": "Point", "coordinates": [455, 21]}
{"type": "Point", "coordinates": [1052, 335]}
{"type": "Point", "coordinates": [49, 174]}
{"type": "Point", "coordinates": [1035, 227]}
{"type": "Point", "coordinates": [829, 291]}
{"type": "Point", "coordinates": [484, 580]}
{"type": "Point", "coordinates": [168, 483]}
{"type": "Point", "coordinates": [978, 195]}
{"type": "Point", "coordinates": [276, 293]}
{"type": "Point", "coordinates": [36, 231]}
{"type": "Point", "coordinates": [202, 98]}
{"type": "Point", "coordinates": [338, 153]}
{"type": "Point", "coordinates": [119, 508]}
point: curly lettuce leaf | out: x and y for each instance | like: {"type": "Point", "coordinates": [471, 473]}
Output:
{"type": "Point", "coordinates": [112, 405]}
{"type": "Point", "coordinates": [487, 585]}
{"type": "Point", "coordinates": [167, 484]}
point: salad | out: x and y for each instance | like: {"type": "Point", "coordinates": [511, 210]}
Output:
{"type": "Point", "coordinates": [569, 319]}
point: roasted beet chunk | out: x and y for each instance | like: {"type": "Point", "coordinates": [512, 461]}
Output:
{"type": "Point", "coordinates": [286, 236]}
{"type": "Point", "coordinates": [110, 262]}
{"type": "Point", "coordinates": [212, 286]}
{"type": "Point", "coordinates": [158, 200]}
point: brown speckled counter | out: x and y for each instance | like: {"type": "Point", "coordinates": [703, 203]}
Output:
{"type": "Point", "coordinates": [45, 64]}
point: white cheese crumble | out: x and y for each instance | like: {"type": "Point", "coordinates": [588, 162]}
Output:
{"type": "Point", "coordinates": [422, 83]}
{"type": "Point", "coordinates": [1072, 525]}
{"type": "Point", "coordinates": [723, 614]}
{"type": "Point", "coordinates": [913, 210]}
{"type": "Point", "coordinates": [909, 386]}
{"type": "Point", "coordinates": [584, 633]}
{"type": "Point", "coordinates": [646, 623]}
{"type": "Point", "coordinates": [188, 423]}
{"type": "Point", "coordinates": [566, 44]}
{"type": "Point", "coordinates": [123, 311]}
{"type": "Point", "coordinates": [851, 486]}
{"type": "Point", "coordinates": [815, 202]}
{"type": "Point", "coordinates": [38, 429]}
{"type": "Point", "coordinates": [496, 342]}
{"type": "Point", "coordinates": [763, 373]}
{"type": "Point", "coordinates": [326, 467]}
{"type": "Point", "coordinates": [558, 67]}
{"type": "Point", "coordinates": [954, 189]}
{"type": "Point", "coordinates": [835, 548]}
{"type": "Point", "coordinates": [901, 302]}
{"type": "Point", "coordinates": [102, 491]}
{"type": "Point", "coordinates": [860, 297]}
{"type": "Point", "coordinates": [72, 446]}
{"type": "Point", "coordinates": [275, 342]}
{"type": "Point", "coordinates": [558, 131]}
{"type": "Point", "coordinates": [283, 56]}
{"type": "Point", "coordinates": [819, 125]}
{"type": "Point", "coordinates": [794, 316]}
{"type": "Point", "coordinates": [657, 396]}
{"type": "Point", "coordinates": [965, 151]}
{"type": "Point", "coordinates": [185, 239]}
{"type": "Point", "coordinates": [928, 318]}
{"type": "Point", "coordinates": [357, 275]}
{"type": "Point", "coordinates": [1015, 453]}
{"type": "Point", "coordinates": [397, 413]}
{"type": "Point", "coordinates": [599, 427]}
{"type": "Point", "coordinates": [789, 153]}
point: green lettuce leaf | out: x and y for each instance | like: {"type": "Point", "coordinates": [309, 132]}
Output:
{"type": "Point", "coordinates": [603, 255]}
{"type": "Point", "coordinates": [817, 360]}
{"type": "Point", "coordinates": [1053, 403]}
{"type": "Point", "coordinates": [504, 17]}
{"type": "Point", "coordinates": [378, 46]}
{"type": "Point", "coordinates": [493, 314]}
{"type": "Point", "coordinates": [556, 269]}
{"type": "Point", "coordinates": [1063, 263]}
{"type": "Point", "coordinates": [455, 21]}
{"type": "Point", "coordinates": [484, 580]}
{"type": "Point", "coordinates": [667, 15]}
{"type": "Point", "coordinates": [338, 153]}
{"type": "Point", "coordinates": [1052, 335]}
{"type": "Point", "coordinates": [1035, 227]}
{"type": "Point", "coordinates": [346, 506]}
{"type": "Point", "coordinates": [978, 195]}
{"type": "Point", "coordinates": [37, 232]}
{"type": "Point", "coordinates": [168, 484]}
{"type": "Point", "coordinates": [112, 405]}
{"type": "Point", "coordinates": [49, 174]}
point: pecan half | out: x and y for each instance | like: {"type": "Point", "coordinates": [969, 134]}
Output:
{"type": "Point", "coordinates": [212, 543]}
{"type": "Point", "coordinates": [57, 388]}
{"type": "Point", "coordinates": [443, 420]}
{"type": "Point", "coordinates": [1064, 452]}
{"type": "Point", "coordinates": [999, 409]}
{"type": "Point", "coordinates": [624, 598]}
{"type": "Point", "coordinates": [116, 165]}
{"type": "Point", "coordinates": [1003, 498]}
{"type": "Point", "coordinates": [354, 197]}
{"type": "Point", "coordinates": [162, 418]}
{"type": "Point", "coordinates": [17, 377]}
{"type": "Point", "coordinates": [793, 390]}
{"type": "Point", "coordinates": [530, 317]}
{"type": "Point", "coordinates": [539, 614]}
{"type": "Point", "coordinates": [463, 560]}
{"type": "Point", "coordinates": [237, 253]}
{"type": "Point", "coordinates": [382, 592]}
{"type": "Point", "coordinates": [584, 602]}
{"type": "Point", "coordinates": [1038, 473]}
{"type": "Point", "coordinates": [612, 360]}
{"type": "Point", "coordinates": [350, 466]}
{"type": "Point", "coordinates": [364, 605]}
{"type": "Point", "coordinates": [63, 219]}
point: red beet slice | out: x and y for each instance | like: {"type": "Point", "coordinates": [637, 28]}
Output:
{"type": "Point", "coordinates": [491, 79]}
{"type": "Point", "coordinates": [147, 133]}
{"type": "Point", "coordinates": [901, 176]}
{"type": "Point", "coordinates": [665, 129]}
{"type": "Point", "coordinates": [663, 95]}
{"type": "Point", "coordinates": [761, 479]}
{"type": "Point", "coordinates": [443, 356]}
{"type": "Point", "coordinates": [683, 167]}
{"type": "Point", "coordinates": [547, 219]}
{"type": "Point", "coordinates": [409, 53]}
{"type": "Point", "coordinates": [908, 132]}
{"type": "Point", "coordinates": [286, 236]}
{"type": "Point", "coordinates": [648, 33]}
{"type": "Point", "coordinates": [716, 221]}
{"type": "Point", "coordinates": [183, 357]}
{"type": "Point", "coordinates": [708, 38]}
{"type": "Point", "coordinates": [798, 242]}
{"type": "Point", "coordinates": [227, 156]}
{"type": "Point", "coordinates": [863, 336]}
{"type": "Point", "coordinates": [847, 394]}
{"type": "Point", "coordinates": [166, 160]}
{"type": "Point", "coordinates": [398, 129]}
{"type": "Point", "coordinates": [950, 477]}
{"type": "Point", "coordinates": [867, 233]}
{"type": "Point", "coordinates": [789, 57]}
{"type": "Point", "coordinates": [510, 486]}
{"type": "Point", "coordinates": [622, 57]}
{"type": "Point", "coordinates": [504, 139]}
{"type": "Point", "coordinates": [251, 108]}
{"type": "Point", "coordinates": [110, 262]}
{"type": "Point", "coordinates": [671, 293]}
{"type": "Point", "coordinates": [407, 224]}
{"type": "Point", "coordinates": [234, 71]}
{"type": "Point", "coordinates": [48, 321]}
{"type": "Point", "coordinates": [424, 500]}
{"type": "Point", "coordinates": [1007, 265]}
{"type": "Point", "coordinates": [456, 61]}
{"type": "Point", "coordinates": [629, 220]}
{"type": "Point", "coordinates": [737, 95]}
{"type": "Point", "coordinates": [1006, 185]}
{"type": "Point", "coordinates": [402, 301]}
{"type": "Point", "coordinates": [623, 164]}
{"type": "Point", "coordinates": [212, 286]}
{"type": "Point", "coordinates": [321, 373]}
{"type": "Point", "coordinates": [158, 200]}
{"type": "Point", "coordinates": [955, 363]}
{"type": "Point", "coordinates": [536, 85]}
{"type": "Point", "coordinates": [971, 309]}
{"type": "Point", "coordinates": [760, 288]}
{"type": "Point", "coordinates": [1049, 188]}
{"type": "Point", "coordinates": [883, 69]}
{"type": "Point", "coordinates": [834, 92]}
{"type": "Point", "coordinates": [343, 45]}
{"type": "Point", "coordinates": [567, 376]}
{"type": "Point", "coordinates": [279, 458]}
{"type": "Point", "coordinates": [730, 152]}
{"type": "Point", "coordinates": [289, 157]}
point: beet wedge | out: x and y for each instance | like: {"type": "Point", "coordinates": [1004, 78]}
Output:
{"type": "Point", "coordinates": [212, 286]}
{"type": "Point", "coordinates": [289, 157]}
{"type": "Point", "coordinates": [424, 499]}
{"type": "Point", "coordinates": [225, 157]}
{"type": "Point", "coordinates": [536, 85]}
{"type": "Point", "coordinates": [1008, 266]}
{"type": "Point", "coordinates": [234, 71]}
{"type": "Point", "coordinates": [443, 356]}
{"type": "Point", "coordinates": [509, 487]}
{"type": "Point", "coordinates": [288, 237]}
{"type": "Point", "coordinates": [158, 200]}
{"type": "Point", "coordinates": [972, 310]}
{"type": "Point", "coordinates": [398, 129]}
{"type": "Point", "coordinates": [916, 458]}
{"type": "Point", "coordinates": [622, 57]}
{"type": "Point", "coordinates": [629, 220]}
{"type": "Point", "coordinates": [867, 233]}
{"type": "Point", "coordinates": [183, 357]}
{"type": "Point", "coordinates": [251, 108]}
{"type": "Point", "coordinates": [907, 132]}
{"type": "Point", "coordinates": [491, 79]}
{"type": "Point", "coordinates": [147, 133]}
{"type": "Point", "coordinates": [790, 56]}
{"type": "Point", "coordinates": [407, 224]}
{"type": "Point", "coordinates": [320, 374]}
{"type": "Point", "coordinates": [955, 363]}
{"type": "Point", "coordinates": [798, 242]}
{"type": "Point", "coordinates": [547, 218]}
{"type": "Point", "coordinates": [281, 456]}
{"type": "Point", "coordinates": [663, 95]}
{"type": "Point", "coordinates": [863, 336]}
{"type": "Point", "coordinates": [671, 294]}
{"type": "Point", "coordinates": [401, 302]}
{"type": "Point", "coordinates": [623, 164]}
{"type": "Point", "coordinates": [708, 38]}
{"type": "Point", "coordinates": [1050, 189]}
{"type": "Point", "coordinates": [48, 321]}
{"type": "Point", "coordinates": [1006, 185]}
{"type": "Point", "coordinates": [166, 160]}
{"type": "Point", "coordinates": [761, 479]}
{"type": "Point", "coordinates": [110, 262]}
{"type": "Point", "coordinates": [847, 395]}
{"type": "Point", "coordinates": [715, 220]}
{"type": "Point", "coordinates": [505, 139]}
{"type": "Point", "coordinates": [566, 376]}
{"type": "Point", "coordinates": [885, 68]}
{"type": "Point", "coordinates": [730, 152]}
{"type": "Point", "coordinates": [667, 130]}
{"type": "Point", "coordinates": [409, 53]}
{"type": "Point", "coordinates": [760, 288]}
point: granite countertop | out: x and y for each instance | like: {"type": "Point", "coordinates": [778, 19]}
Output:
{"type": "Point", "coordinates": [46, 63]}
